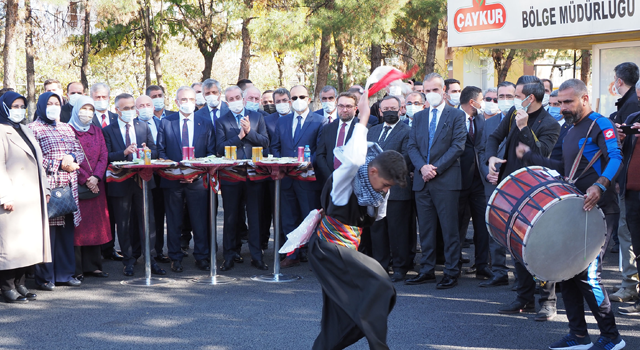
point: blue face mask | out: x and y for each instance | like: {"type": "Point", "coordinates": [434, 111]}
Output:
{"type": "Point", "coordinates": [252, 106]}
{"type": "Point", "coordinates": [555, 112]}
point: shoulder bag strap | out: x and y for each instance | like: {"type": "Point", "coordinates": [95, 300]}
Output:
{"type": "Point", "coordinates": [576, 162]}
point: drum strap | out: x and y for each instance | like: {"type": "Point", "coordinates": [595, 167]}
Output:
{"type": "Point", "coordinates": [576, 162]}
{"type": "Point", "coordinates": [535, 138]}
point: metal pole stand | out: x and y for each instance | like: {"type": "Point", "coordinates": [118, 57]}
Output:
{"type": "Point", "coordinates": [276, 276]}
{"type": "Point", "coordinates": [213, 278]}
{"type": "Point", "coordinates": [147, 280]}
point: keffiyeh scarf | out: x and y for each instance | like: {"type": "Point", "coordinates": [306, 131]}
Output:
{"type": "Point", "coordinates": [362, 188]}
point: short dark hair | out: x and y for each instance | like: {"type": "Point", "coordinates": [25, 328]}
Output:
{"type": "Point", "coordinates": [469, 93]}
{"type": "Point", "coordinates": [52, 81]}
{"type": "Point", "coordinates": [531, 85]}
{"type": "Point", "coordinates": [628, 72]}
{"type": "Point", "coordinates": [123, 96]}
{"type": "Point", "coordinates": [268, 92]}
{"type": "Point", "coordinates": [547, 81]}
{"type": "Point", "coordinates": [423, 98]}
{"type": "Point", "coordinates": [71, 83]}
{"type": "Point", "coordinates": [242, 83]}
{"type": "Point", "coordinates": [348, 95]}
{"type": "Point", "coordinates": [507, 84]}
{"type": "Point", "coordinates": [281, 92]}
{"type": "Point", "coordinates": [448, 82]}
{"type": "Point", "coordinates": [417, 82]}
{"type": "Point", "coordinates": [578, 86]}
{"type": "Point", "coordinates": [389, 97]}
{"type": "Point", "coordinates": [152, 88]}
{"type": "Point", "coordinates": [391, 166]}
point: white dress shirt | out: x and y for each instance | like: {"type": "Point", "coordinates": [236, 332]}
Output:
{"type": "Point", "coordinates": [440, 108]}
{"type": "Point", "coordinates": [346, 129]}
{"type": "Point", "coordinates": [107, 120]}
{"type": "Point", "coordinates": [390, 130]}
{"type": "Point", "coordinates": [213, 117]}
{"type": "Point", "coordinates": [467, 121]}
{"type": "Point", "coordinates": [333, 115]}
{"type": "Point", "coordinates": [295, 121]}
{"type": "Point", "coordinates": [153, 127]}
{"type": "Point", "coordinates": [189, 126]}
{"type": "Point", "coordinates": [123, 130]}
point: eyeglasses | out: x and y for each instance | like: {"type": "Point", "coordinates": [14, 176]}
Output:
{"type": "Point", "coordinates": [294, 98]}
{"type": "Point", "coordinates": [346, 107]}
{"type": "Point", "coordinates": [489, 99]}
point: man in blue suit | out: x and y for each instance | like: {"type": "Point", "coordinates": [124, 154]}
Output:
{"type": "Point", "coordinates": [328, 97]}
{"type": "Point", "coordinates": [245, 130]}
{"type": "Point", "coordinates": [184, 129]}
{"type": "Point", "coordinates": [214, 108]}
{"type": "Point", "coordinates": [298, 129]}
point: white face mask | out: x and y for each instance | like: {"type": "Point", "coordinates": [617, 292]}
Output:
{"type": "Point", "coordinates": [283, 108]}
{"type": "Point", "coordinates": [101, 105]}
{"type": "Point", "coordinates": [187, 108]}
{"type": "Point", "coordinates": [434, 99]}
{"type": "Point", "coordinates": [482, 106]}
{"type": "Point", "coordinates": [300, 105]}
{"type": "Point", "coordinates": [73, 99]}
{"type": "Point", "coordinates": [413, 109]}
{"type": "Point", "coordinates": [158, 103]}
{"type": "Point", "coordinates": [491, 108]}
{"type": "Point", "coordinates": [212, 100]}
{"type": "Point", "coordinates": [53, 113]}
{"type": "Point", "coordinates": [395, 91]}
{"type": "Point", "coordinates": [329, 107]}
{"type": "Point", "coordinates": [455, 98]}
{"type": "Point", "coordinates": [200, 99]}
{"type": "Point", "coordinates": [505, 105]}
{"type": "Point", "coordinates": [545, 100]}
{"type": "Point", "coordinates": [518, 103]}
{"type": "Point", "coordinates": [127, 116]}
{"type": "Point", "coordinates": [252, 106]}
{"type": "Point", "coordinates": [85, 116]}
{"type": "Point", "coordinates": [615, 88]}
{"type": "Point", "coordinates": [236, 106]}
{"type": "Point", "coordinates": [16, 115]}
{"type": "Point", "coordinates": [145, 114]}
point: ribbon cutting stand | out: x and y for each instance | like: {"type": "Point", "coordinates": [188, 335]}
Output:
{"type": "Point", "coordinates": [277, 173]}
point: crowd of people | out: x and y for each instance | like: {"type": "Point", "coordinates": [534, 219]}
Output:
{"type": "Point", "coordinates": [59, 218]}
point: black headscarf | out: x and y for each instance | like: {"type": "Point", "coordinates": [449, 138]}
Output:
{"type": "Point", "coordinates": [41, 110]}
{"type": "Point", "coordinates": [6, 100]}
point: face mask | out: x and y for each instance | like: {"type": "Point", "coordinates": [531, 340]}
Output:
{"type": "Point", "coordinates": [269, 108]}
{"type": "Point", "coordinates": [300, 105]}
{"type": "Point", "coordinates": [283, 108]}
{"type": "Point", "coordinates": [555, 112]}
{"type": "Point", "coordinates": [236, 106]}
{"type": "Point", "coordinates": [200, 99]}
{"type": "Point", "coordinates": [413, 109]}
{"type": "Point", "coordinates": [505, 105]}
{"type": "Point", "coordinates": [85, 117]}
{"type": "Point", "coordinates": [615, 88]}
{"type": "Point", "coordinates": [328, 107]}
{"type": "Point", "coordinates": [187, 108]}
{"type": "Point", "coordinates": [127, 116]}
{"type": "Point", "coordinates": [482, 106]}
{"type": "Point", "coordinates": [395, 91]}
{"type": "Point", "coordinates": [212, 100]}
{"type": "Point", "coordinates": [491, 108]}
{"type": "Point", "coordinates": [252, 106]}
{"type": "Point", "coordinates": [390, 117]}
{"type": "Point", "coordinates": [158, 103]}
{"type": "Point", "coordinates": [16, 115]}
{"type": "Point", "coordinates": [101, 105]}
{"type": "Point", "coordinates": [455, 98]}
{"type": "Point", "coordinates": [434, 99]}
{"type": "Point", "coordinates": [518, 103]}
{"type": "Point", "coordinates": [73, 99]}
{"type": "Point", "coordinates": [53, 113]}
{"type": "Point", "coordinates": [145, 114]}
{"type": "Point", "coordinates": [545, 100]}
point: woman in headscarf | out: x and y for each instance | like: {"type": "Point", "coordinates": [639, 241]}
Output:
{"type": "Point", "coordinates": [24, 193]}
{"type": "Point", "coordinates": [62, 157]}
{"type": "Point", "coordinates": [90, 234]}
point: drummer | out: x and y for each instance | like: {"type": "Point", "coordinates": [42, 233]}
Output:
{"type": "Point", "coordinates": [596, 182]}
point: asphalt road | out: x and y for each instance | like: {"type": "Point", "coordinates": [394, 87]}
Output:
{"type": "Point", "coordinates": [105, 314]}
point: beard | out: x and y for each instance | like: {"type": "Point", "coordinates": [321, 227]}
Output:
{"type": "Point", "coordinates": [346, 117]}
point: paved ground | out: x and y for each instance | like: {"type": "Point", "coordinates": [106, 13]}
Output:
{"type": "Point", "coordinates": [104, 314]}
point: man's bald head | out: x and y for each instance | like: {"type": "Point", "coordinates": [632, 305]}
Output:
{"type": "Point", "coordinates": [144, 101]}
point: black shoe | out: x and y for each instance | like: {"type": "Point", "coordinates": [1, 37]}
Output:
{"type": "Point", "coordinates": [162, 259]}
{"type": "Point", "coordinates": [99, 274]}
{"type": "Point", "coordinates": [203, 265]}
{"type": "Point", "coordinates": [259, 264]}
{"type": "Point", "coordinates": [484, 273]}
{"type": "Point", "coordinates": [226, 265]}
{"type": "Point", "coordinates": [517, 307]}
{"type": "Point", "coordinates": [114, 255]}
{"type": "Point", "coordinates": [128, 270]}
{"type": "Point", "coordinates": [176, 266]}
{"type": "Point", "coordinates": [238, 259]}
{"type": "Point", "coordinates": [465, 260]}
{"type": "Point", "coordinates": [12, 296]}
{"type": "Point", "coordinates": [264, 246]}
{"type": "Point", "coordinates": [421, 278]}
{"type": "Point", "coordinates": [447, 282]}
{"type": "Point", "coordinates": [397, 277]}
{"type": "Point", "coordinates": [73, 282]}
{"type": "Point", "coordinates": [303, 256]}
{"type": "Point", "coordinates": [49, 286]}
{"type": "Point", "coordinates": [157, 270]}
{"type": "Point", "coordinates": [496, 281]}
{"type": "Point", "coordinates": [80, 278]}
{"type": "Point", "coordinates": [471, 270]}
{"type": "Point", "coordinates": [25, 293]}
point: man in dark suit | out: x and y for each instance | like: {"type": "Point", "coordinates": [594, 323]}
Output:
{"type": "Point", "coordinates": [298, 129]}
{"type": "Point", "coordinates": [473, 171]}
{"type": "Point", "coordinates": [328, 97]}
{"type": "Point", "coordinates": [214, 108]}
{"type": "Point", "coordinates": [393, 236]}
{"type": "Point", "coordinates": [157, 96]}
{"type": "Point", "coordinates": [625, 77]}
{"type": "Point", "coordinates": [245, 130]}
{"type": "Point", "coordinates": [122, 139]}
{"type": "Point", "coordinates": [528, 123]}
{"type": "Point", "coordinates": [437, 140]}
{"type": "Point", "coordinates": [74, 90]}
{"type": "Point", "coordinates": [415, 104]}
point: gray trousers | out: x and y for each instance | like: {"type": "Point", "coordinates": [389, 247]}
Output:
{"type": "Point", "coordinates": [627, 257]}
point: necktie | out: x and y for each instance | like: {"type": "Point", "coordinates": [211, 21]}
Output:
{"type": "Point", "coordinates": [296, 133]}
{"type": "Point", "coordinates": [238, 120]}
{"type": "Point", "coordinates": [185, 133]}
{"type": "Point", "coordinates": [127, 140]}
{"type": "Point", "coordinates": [336, 162]}
{"type": "Point", "coordinates": [329, 118]}
{"type": "Point", "coordinates": [104, 121]}
{"type": "Point", "coordinates": [471, 131]}
{"type": "Point", "coordinates": [383, 138]}
{"type": "Point", "coordinates": [432, 132]}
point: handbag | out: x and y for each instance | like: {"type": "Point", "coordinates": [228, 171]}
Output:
{"type": "Point", "coordinates": [61, 202]}
{"type": "Point", "coordinates": [83, 190]}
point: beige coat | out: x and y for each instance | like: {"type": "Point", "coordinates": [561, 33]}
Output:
{"type": "Point", "coordinates": [24, 232]}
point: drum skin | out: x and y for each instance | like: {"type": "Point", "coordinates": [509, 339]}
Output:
{"type": "Point", "coordinates": [540, 220]}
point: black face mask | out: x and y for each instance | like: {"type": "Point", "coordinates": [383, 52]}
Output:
{"type": "Point", "coordinates": [270, 108]}
{"type": "Point", "coordinates": [390, 117]}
